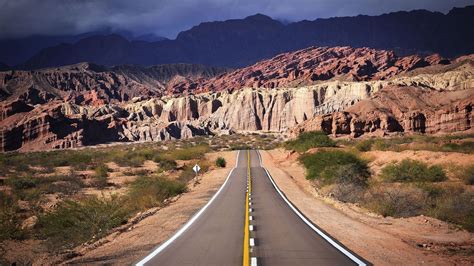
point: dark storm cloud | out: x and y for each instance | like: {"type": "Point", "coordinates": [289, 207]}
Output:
{"type": "Point", "coordinates": [168, 17]}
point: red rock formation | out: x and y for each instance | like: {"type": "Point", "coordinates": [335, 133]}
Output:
{"type": "Point", "coordinates": [315, 64]}
{"type": "Point", "coordinates": [399, 109]}
{"type": "Point", "coordinates": [85, 104]}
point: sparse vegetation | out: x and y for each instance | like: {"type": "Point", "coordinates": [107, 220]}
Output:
{"type": "Point", "coordinates": [47, 184]}
{"type": "Point", "coordinates": [150, 191]}
{"type": "Point", "coordinates": [466, 174]}
{"type": "Point", "coordinates": [9, 219]}
{"type": "Point", "coordinates": [330, 166]}
{"type": "Point", "coordinates": [166, 164]}
{"type": "Point", "coordinates": [396, 201]}
{"type": "Point", "coordinates": [188, 152]}
{"type": "Point", "coordinates": [76, 222]}
{"type": "Point", "coordinates": [412, 171]}
{"type": "Point", "coordinates": [220, 162]}
{"type": "Point", "coordinates": [406, 188]}
{"type": "Point", "coordinates": [101, 174]}
{"type": "Point", "coordinates": [456, 208]}
{"type": "Point", "coordinates": [454, 143]}
{"type": "Point", "coordinates": [308, 140]}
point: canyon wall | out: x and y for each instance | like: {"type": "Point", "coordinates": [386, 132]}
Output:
{"type": "Point", "coordinates": [427, 103]}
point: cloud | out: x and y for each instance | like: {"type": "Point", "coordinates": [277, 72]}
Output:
{"type": "Point", "coordinates": [20, 18]}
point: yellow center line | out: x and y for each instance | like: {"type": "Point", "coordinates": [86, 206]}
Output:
{"type": "Point", "coordinates": [246, 254]}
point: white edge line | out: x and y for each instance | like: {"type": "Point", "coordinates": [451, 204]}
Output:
{"type": "Point", "coordinates": [321, 233]}
{"type": "Point", "coordinates": [253, 261]}
{"type": "Point", "coordinates": [189, 223]}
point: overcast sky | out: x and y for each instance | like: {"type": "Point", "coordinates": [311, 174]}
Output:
{"type": "Point", "coordinates": [167, 18]}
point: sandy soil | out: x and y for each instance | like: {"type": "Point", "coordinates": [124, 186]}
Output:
{"type": "Point", "coordinates": [382, 241]}
{"type": "Point", "coordinates": [136, 242]}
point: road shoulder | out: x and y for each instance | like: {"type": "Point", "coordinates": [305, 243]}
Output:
{"type": "Point", "coordinates": [382, 241]}
{"type": "Point", "coordinates": [129, 246]}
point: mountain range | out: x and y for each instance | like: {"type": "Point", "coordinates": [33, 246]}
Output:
{"type": "Point", "coordinates": [242, 42]}
{"type": "Point", "coordinates": [338, 90]}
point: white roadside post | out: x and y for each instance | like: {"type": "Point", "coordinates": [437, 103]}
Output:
{"type": "Point", "coordinates": [196, 169]}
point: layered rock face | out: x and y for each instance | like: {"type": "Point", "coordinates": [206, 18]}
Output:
{"type": "Point", "coordinates": [85, 104]}
{"type": "Point", "coordinates": [90, 84]}
{"type": "Point", "coordinates": [399, 110]}
{"type": "Point", "coordinates": [315, 64]}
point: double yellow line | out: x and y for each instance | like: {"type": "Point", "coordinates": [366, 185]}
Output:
{"type": "Point", "coordinates": [246, 255]}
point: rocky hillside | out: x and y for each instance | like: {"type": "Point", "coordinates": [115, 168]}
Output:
{"type": "Point", "coordinates": [316, 64]}
{"type": "Point", "coordinates": [91, 84]}
{"type": "Point", "coordinates": [339, 90]}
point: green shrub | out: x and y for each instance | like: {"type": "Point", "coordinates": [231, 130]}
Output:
{"type": "Point", "coordinates": [188, 153]}
{"type": "Point", "coordinates": [403, 201]}
{"type": "Point", "coordinates": [101, 173]}
{"type": "Point", "coordinates": [326, 166]}
{"type": "Point", "coordinates": [456, 208]}
{"type": "Point", "coordinates": [74, 223]}
{"type": "Point", "coordinates": [308, 140]}
{"type": "Point", "coordinates": [165, 164]}
{"type": "Point", "coordinates": [220, 162]}
{"type": "Point", "coordinates": [347, 192]}
{"type": "Point", "coordinates": [150, 191]}
{"type": "Point", "coordinates": [468, 175]}
{"type": "Point", "coordinates": [9, 220]}
{"type": "Point", "coordinates": [364, 145]}
{"type": "Point", "coordinates": [353, 173]}
{"type": "Point", "coordinates": [464, 147]}
{"type": "Point", "coordinates": [20, 183]}
{"type": "Point", "coordinates": [412, 171]}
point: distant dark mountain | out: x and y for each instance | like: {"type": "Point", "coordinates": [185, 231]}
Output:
{"type": "Point", "coordinates": [4, 67]}
{"type": "Point", "coordinates": [149, 38]}
{"type": "Point", "coordinates": [17, 51]}
{"type": "Point", "coordinates": [241, 42]}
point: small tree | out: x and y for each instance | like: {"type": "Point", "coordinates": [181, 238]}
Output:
{"type": "Point", "coordinates": [220, 162]}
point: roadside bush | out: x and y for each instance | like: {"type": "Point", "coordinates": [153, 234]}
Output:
{"type": "Point", "coordinates": [335, 166]}
{"type": "Point", "coordinates": [150, 191]}
{"type": "Point", "coordinates": [353, 173]}
{"type": "Point", "coordinates": [412, 171]}
{"type": "Point", "coordinates": [347, 192]}
{"type": "Point", "coordinates": [456, 208]}
{"type": "Point", "coordinates": [165, 164]}
{"type": "Point", "coordinates": [308, 140]}
{"type": "Point", "coordinates": [402, 201]}
{"type": "Point", "coordinates": [74, 223]}
{"type": "Point", "coordinates": [220, 162]}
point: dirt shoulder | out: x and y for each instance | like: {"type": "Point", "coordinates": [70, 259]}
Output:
{"type": "Point", "coordinates": [136, 242]}
{"type": "Point", "coordinates": [382, 241]}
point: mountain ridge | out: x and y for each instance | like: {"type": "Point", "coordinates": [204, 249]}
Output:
{"type": "Point", "coordinates": [242, 42]}
{"type": "Point", "coordinates": [316, 87]}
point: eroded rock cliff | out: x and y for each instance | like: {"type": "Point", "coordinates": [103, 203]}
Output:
{"type": "Point", "coordinates": [428, 102]}
{"type": "Point", "coordinates": [369, 92]}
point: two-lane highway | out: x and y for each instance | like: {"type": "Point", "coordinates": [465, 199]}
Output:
{"type": "Point", "coordinates": [215, 235]}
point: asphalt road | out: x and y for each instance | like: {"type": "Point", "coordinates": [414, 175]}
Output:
{"type": "Point", "coordinates": [216, 236]}
{"type": "Point", "coordinates": [281, 237]}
